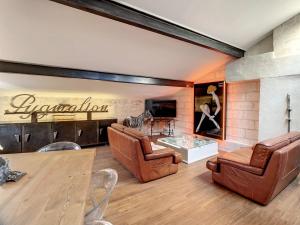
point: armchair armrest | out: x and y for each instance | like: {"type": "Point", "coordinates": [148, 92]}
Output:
{"type": "Point", "coordinates": [162, 153]}
{"type": "Point", "coordinates": [213, 165]}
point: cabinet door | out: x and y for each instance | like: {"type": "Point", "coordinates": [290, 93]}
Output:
{"type": "Point", "coordinates": [63, 131]}
{"type": "Point", "coordinates": [10, 138]}
{"type": "Point", "coordinates": [103, 124]}
{"type": "Point", "coordinates": [86, 133]}
{"type": "Point", "coordinates": [35, 136]}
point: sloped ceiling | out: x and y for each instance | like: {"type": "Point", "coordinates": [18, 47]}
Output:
{"type": "Point", "coordinates": [236, 22]}
{"type": "Point", "coordinates": [49, 33]}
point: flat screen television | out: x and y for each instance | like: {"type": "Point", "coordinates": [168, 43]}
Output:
{"type": "Point", "coordinates": [161, 108]}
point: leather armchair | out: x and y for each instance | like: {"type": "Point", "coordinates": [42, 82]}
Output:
{"type": "Point", "coordinates": [261, 172]}
{"type": "Point", "coordinates": [133, 150]}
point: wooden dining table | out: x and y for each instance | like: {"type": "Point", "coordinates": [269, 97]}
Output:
{"type": "Point", "coordinates": [54, 190]}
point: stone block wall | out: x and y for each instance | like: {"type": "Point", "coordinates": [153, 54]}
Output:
{"type": "Point", "coordinates": [243, 112]}
{"type": "Point", "coordinates": [185, 110]}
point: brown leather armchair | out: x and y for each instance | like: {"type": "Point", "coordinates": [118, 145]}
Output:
{"type": "Point", "coordinates": [133, 150]}
{"type": "Point", "coordinates": [261, 172]}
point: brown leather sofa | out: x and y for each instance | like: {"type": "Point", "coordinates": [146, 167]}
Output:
{"type": "Point", "coordinates": [261, 172]}
{"type": "Point", "coordinates": [133, 150]}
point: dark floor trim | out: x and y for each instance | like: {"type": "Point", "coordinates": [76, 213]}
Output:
{"type": "Point", "coordinates": [25, 68]}
{"type": "Point", "coordinates": [119, 12]}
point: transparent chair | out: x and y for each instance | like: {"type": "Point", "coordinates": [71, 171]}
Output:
{"type": "Point", "coordinates": [59, 146]}
{"type": "Point", "coordinates": [102, 186]}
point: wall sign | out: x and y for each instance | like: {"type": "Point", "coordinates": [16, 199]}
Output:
{"type": "Point", "coordinates": [25, 105]}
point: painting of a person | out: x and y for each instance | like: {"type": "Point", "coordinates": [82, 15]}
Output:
{"type": "Point", "coordinates": [206, 109]}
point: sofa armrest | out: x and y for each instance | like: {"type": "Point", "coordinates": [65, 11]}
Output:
{"type": "Point", "coordinates": [162, 153]}
{"type": "Point", "coordinates": [240, 166]}
{"type": "Point", "coordinates": [177, 158]}
{"type": "Point", "coordinates": [213, 165]}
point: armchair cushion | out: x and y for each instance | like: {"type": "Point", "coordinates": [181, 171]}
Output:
{"type": "Point", "coordinates": [239, 159]}
{"type": "Point", "coordinates": [241, 166]}
{"type": "Point", "coordinates": [242, 155]}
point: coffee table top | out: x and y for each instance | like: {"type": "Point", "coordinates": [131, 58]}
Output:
{"type": "Point", "coordinates": [186, 141]}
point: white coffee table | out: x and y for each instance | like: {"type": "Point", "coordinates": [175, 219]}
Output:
{"type": "Point", "coordinates": [191, 148]}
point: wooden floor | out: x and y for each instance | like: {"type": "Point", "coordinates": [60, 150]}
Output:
{"type": "Point", "coordinates": [190, 198]}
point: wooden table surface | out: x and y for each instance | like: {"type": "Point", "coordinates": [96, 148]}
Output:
{"type": "Point", "coordinates": [53, 192]}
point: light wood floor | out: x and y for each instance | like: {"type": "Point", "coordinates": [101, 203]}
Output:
{"type": "Point", "coordinates": [190, 198]}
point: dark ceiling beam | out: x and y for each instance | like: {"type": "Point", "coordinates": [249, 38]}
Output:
{"type": "Point", "coordinates": [119, 12]}
{"type": "Point", "coordinates": [34, 69]}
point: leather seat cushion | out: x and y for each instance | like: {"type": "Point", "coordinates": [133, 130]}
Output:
{"type": "Point", "coordinates": [242, 155]}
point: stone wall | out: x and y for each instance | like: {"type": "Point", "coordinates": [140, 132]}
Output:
{"type": "Point", "coordinates": [243, 112]}
{"type": "Point", "coordinates": [185, 110]}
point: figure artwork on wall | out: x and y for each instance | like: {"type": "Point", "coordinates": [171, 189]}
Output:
{"type": "Point", "coordinates": [209, 109]}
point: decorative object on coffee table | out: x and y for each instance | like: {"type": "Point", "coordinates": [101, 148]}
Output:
{"type": "Point", "coordinates": [6, 174]}
{"type": "Point", "coordinates": [192, 148]}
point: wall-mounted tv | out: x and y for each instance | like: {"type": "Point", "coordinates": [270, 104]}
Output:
{"type": "Point", "coordinates": [161, 108]}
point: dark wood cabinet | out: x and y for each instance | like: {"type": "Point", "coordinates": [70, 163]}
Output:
{"type": "Point", "coordinates": [29, 137]}
{"type": "Point", "coordinates": [64, 131]}
{"type": "Point", "coordinates": [10, 138]}
{"type": "Point", "coordinates": [103, 124]}
{"type": "Point", "coordinates": [35, 136]}
{"type": "Point", "coordinates": [87, 133]}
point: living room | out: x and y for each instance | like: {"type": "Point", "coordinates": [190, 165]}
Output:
{"type": "Point", "coordinates": [183, 112]}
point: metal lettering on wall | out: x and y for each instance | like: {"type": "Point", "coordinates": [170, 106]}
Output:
{"type": "Point", "coordinates": [24, 104]}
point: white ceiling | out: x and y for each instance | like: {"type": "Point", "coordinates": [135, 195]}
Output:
{"type": "Point", "coordinates": [240, 23]}
{"type": "Point", "coordinates": [49, 33]}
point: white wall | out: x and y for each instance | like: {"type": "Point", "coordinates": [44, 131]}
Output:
{"type": "Point", "coordinates": [273, 105]}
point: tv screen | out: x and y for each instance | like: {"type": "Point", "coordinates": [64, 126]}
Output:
{"type": "Point", "coordinates": [161, 108]}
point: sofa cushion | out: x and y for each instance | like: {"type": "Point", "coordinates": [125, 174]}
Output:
{"type": "Point", "coordinates": [118, 126]}
{"type": "Point", "coordinates": [263, 151]}
{"type": "Point", "coordinates": [144, 139]}
{"type": "Point", "coordinates": [241, 155]}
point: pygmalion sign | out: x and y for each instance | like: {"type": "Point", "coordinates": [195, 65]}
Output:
{"type": "Point", "coordinates": [24, 104]}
